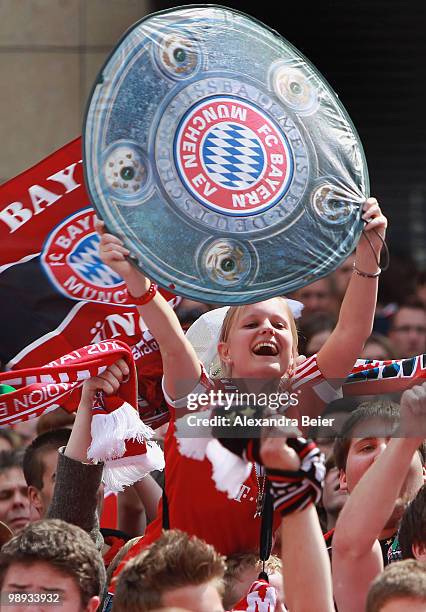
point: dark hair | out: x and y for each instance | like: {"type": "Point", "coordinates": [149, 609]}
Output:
{"type": "Point", "coordinates": [11, 436]}
{"type": "Point", "coordinates": [383, 409]}
{"type": "Point", "coordinates": [174, 560]}
{"type": "Point", "coordinates": [413, 303]}
{"type": "Point", "coordinates": [33, 456]}
{"type": "Point", "coordinates": [382, 341]}
{"type": "Point", "coordinates": [413, 524]}
{"type": "Point", "coordinates": [65, 547]}
{"type": "Point", "coordinates": [313, 324]}
{"type": "Point", "coordinates": [236, 564]}
{"type": "Point", "coordinates": [10, 459]}
{"type": "Point", "coordinates": [403, 579]}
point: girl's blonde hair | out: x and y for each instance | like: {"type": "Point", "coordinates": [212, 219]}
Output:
{"type": "Point", "coordinates": [232, 316]}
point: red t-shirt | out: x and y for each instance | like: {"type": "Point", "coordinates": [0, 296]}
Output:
{"type": "Point", "coordinates": [195, 505]}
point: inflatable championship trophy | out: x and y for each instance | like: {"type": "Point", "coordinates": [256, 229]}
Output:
{"type": "Point", "coordinates": [222, 157]}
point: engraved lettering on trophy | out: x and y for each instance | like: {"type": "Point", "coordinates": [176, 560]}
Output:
{"type": "Point", "coordinates": [285, 122]}
{"type": "Point", "coordinates": [291, 198]}
{"type": "Point", "coordinates": [198, 89]}
{"type": "Point", "coordinates": [296, 142]}
{"type": "Point", "coordinates": [265, 101]}
{"type": "Point", "coordinates": [240, 225]}
{"type": "Point", "coordinates": [277, 213]}
{"type": "Point", "coordinates": [275, 110]}
{"type": "Point", "coordinates": [242, 91]}
{"type": "Point", "coordinates": [222, 223]}
{"type": "Point", "coordinates": [162, 153]}
{"type": "Point", "coordinates": [212, 86]}
{"type": "Point", "coordinates": [176, 192]}
{"type": "Point", "coordinates": [298, 183]}
{"type": "Point", "coordinates": [200, 214]}
{"type": "Point", "coordinates": [165, 167]}
{"type": "Point", "coordinates": [260, 222]}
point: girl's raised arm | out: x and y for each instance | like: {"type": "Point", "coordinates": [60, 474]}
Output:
{"type": "Point", "coordinates": [280, 460]}
{"type": "Point", "coordinates": [344, 346]}
{"type": "Point", "coordinates": [182, 369]}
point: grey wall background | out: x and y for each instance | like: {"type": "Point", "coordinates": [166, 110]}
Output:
{"type": "Point", "coordinates": [50, 53]}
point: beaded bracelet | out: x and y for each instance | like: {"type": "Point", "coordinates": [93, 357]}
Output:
{"type": "Point", "coordinates": [144, 298]}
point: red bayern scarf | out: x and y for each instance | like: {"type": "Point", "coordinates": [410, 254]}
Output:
{"type": "Point", "coordinates": [369, 377]}
{"type": "Point", "coordinates": [119, 437]}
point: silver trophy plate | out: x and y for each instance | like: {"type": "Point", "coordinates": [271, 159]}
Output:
{"type": "Point", "coordinates": [222, 157]}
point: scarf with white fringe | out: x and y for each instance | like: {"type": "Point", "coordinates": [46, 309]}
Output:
{"type": "Point", "coordinates": [120, 439]}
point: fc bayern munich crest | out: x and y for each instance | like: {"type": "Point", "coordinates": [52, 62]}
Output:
{"type": "Point", "coordinates": [232, 157]}
{"type": "Point", "coordinates": [71, 261]}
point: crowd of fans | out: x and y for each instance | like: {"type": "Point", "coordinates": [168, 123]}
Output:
{"type": "Point", "coordinates": [368, 523]}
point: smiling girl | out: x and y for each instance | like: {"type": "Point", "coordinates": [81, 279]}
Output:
{"type": "Point", "coordinates": [257, 341]}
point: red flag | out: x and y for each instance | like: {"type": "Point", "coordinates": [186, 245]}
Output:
{"type": "Point", "coordinates": [34, 202]}
{"type": "Point", "coordinates": [57, 294]}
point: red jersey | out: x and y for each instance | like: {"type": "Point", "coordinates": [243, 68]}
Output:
{"type": "Point", "coordinates": [195, 505]}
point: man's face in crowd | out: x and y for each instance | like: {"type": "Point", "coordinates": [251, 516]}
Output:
{"type": "Point", "coordinates": [14, 502]}
{"type": "Point", "coordinates": [316, 297]}
{"type": "Point", "coordinates": [43, 578]}
{"type": "Point", "coordinates": [363, 451]}
{"type": "Point", "coordinates": [195, 598]}
{"type": "Point", "coordinates": [40, 499]}
{"type": "Point", "coordinates": [408, 332]}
